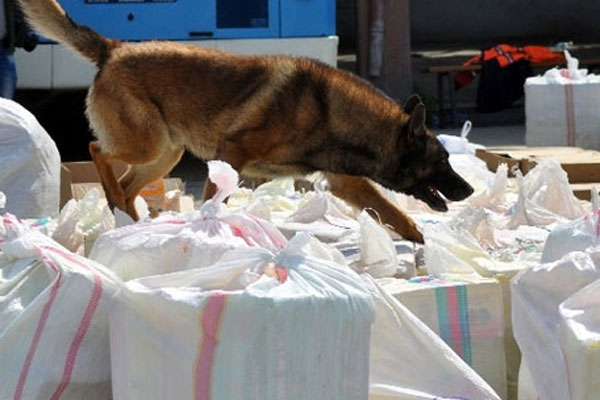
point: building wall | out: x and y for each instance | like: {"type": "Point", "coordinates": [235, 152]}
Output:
{"type": "Point", "coordinates": [483, 22]}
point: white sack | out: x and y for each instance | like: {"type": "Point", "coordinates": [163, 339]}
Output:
{"type": "Point", "coordinates": [537, 293]}
{"type": "Point", "coordinates": [54, 340]}
{"type": "Point", "coordinates": [579, 338]}
{"type": "Point", "coordinates": [468, 315]}
{"type": "Point", "coordinates": [561, 108]}
{"type": "Point", "coordinates": [454, 254]}
{"type": "Point", "coordinates": [256, 325]}
{"type": "Point", "coordinates": [410, 362]}
{"type": "Point", "coordinates": [29, 164]}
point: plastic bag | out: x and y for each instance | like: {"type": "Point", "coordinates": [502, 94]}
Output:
{"type": "Point", "coordinates": [256, 325]}
{"type": "Point", "coordinates": [322, 215]}
{"type": "Point", "coordinates": [377, 251]}
{"type": "Point", "coordinates": [81, 222]}
{"type": "Point", "coordinates": [54, 340]}
{"type": "Point", "coordinates": [545, 197]}
{"type": "Point", "coordinates": [576, 235]}
{"type": "Point", "coordinates": [494, 198]}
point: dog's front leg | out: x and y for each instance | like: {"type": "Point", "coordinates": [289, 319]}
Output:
{"type": "Point", "coordinates": [112, 189]}
{"type": "Point", "coordinates": [361, 193]}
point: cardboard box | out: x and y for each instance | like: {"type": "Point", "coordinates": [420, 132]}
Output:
{"type": "Point", "coordinates": [582, 166]}
{"type": "Point", "coordinates": [78, 178]}
{"type": "Point", "coordinates": [583, 191]}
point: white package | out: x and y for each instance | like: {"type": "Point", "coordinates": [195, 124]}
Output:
{"type": "Point", "coordinates": [537, 293]}
{"type": "Point", "coordinates": [579, 338]}
{"type": "Point", "coordinates": [29, 164]}
{"type": "Point", "coordinates": [256, 325]}
{"type": "Point", "coordinates": [54, 339]}
{"type": "Point", "coordinates": [468, 315]}
{"type": "Point", "coordinates": [561, 108]}
{"type": "Point", "coordinates": [409, 361]}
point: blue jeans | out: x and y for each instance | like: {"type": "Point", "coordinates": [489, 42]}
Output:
{"type": "Point", "coordinates": [8, 75]}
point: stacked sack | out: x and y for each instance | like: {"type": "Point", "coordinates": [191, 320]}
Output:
{"type": "Point", "coordinates": [255, 325]}
{"type": "Point", "coordinates": [556, 315]}
{"type": "Point", "coordinates": [54, 305]}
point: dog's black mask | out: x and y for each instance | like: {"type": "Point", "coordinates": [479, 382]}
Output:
{"type": "Point", "coordinates": [425, 172]}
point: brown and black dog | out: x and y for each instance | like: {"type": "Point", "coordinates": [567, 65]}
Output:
{"type": "Point", "coordinates": [266, 116]}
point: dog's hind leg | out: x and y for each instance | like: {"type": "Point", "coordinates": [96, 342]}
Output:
{"type": "Point", "coordinates": [140, 175]}
{"type": "Point", "coordinates": [361, 193]}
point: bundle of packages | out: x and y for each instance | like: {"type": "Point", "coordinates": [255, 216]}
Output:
{"type": "Point", "coordinates": [30, 164]}
{"type": "Point", "coordinates": [555, 323]}
{"type": "Point", "coordinates": [579, 337]}
{"type": "Point", "coordinates": [454, 254]}
{"type": "Point", "coordinates": [561, 108]}
{"type": "Point", "coordinates": [176, 242]}
{"type": "Point", "coordinates": [410, 361]}
{"type": "Point", "coordinates": [54, 339]}
{"type": "Point", "coordinates": [467, 314]}
{"type": "Point", "coordinates": [255, 325]}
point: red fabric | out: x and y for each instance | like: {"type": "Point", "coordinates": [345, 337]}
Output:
{"type": "Point", "coordinates": [506, 55]}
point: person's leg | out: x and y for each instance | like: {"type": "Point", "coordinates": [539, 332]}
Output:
{"type": "Point", "coordinates": [8, 75]}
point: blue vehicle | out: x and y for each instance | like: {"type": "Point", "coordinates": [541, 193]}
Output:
{"type": "Point", "coordinates": [299, 27]}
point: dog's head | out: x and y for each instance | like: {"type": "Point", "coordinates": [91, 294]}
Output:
{"type": "Point", "coordinates": [423, 170]}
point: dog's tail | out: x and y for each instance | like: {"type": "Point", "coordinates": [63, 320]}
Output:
{"type": "Point", "coordinates": [49, 19]}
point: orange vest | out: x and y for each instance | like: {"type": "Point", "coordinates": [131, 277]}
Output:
{"type": "Point", "coordinates": [506, 55]}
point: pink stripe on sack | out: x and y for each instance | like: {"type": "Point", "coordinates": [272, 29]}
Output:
{"type": "Point", "coordinates": [38, 330]}
{"type": "Point", "coordinates": [81, 331]}
{"type": "Point", "coordinates": [454, 316]}
{"type": "Point", "coordinates": [570, 115]}
{"type": "Point", "coordinates": [211, 320]}
{"type": "Point", "coordinates": [83, 325]}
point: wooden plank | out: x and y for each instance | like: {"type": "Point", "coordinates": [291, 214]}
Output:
{"type": "Point", "coordinates": [477, 67]}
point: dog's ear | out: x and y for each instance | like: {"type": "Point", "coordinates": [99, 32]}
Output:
{"type": "Point", "coordinates": [411, 103]}
{"type": "Point", "coordinates": [416, 123]}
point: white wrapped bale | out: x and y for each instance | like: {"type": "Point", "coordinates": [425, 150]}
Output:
{"type": "Point", "coordinates": [468, 315]}
{"type": "Point", "coordinates": [54, 340]}
{"type": "Point", "coordinates": [29, 164]}
{"type": "Point", "coordinates": [561, 108]}
{"type": "Point", "coordinates": [253, 326]}
{"type": "Point", "coordinates": [537, 294]}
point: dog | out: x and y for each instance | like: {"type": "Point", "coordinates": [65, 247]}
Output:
{"type": "Point", "coordinates": [266, 116]}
